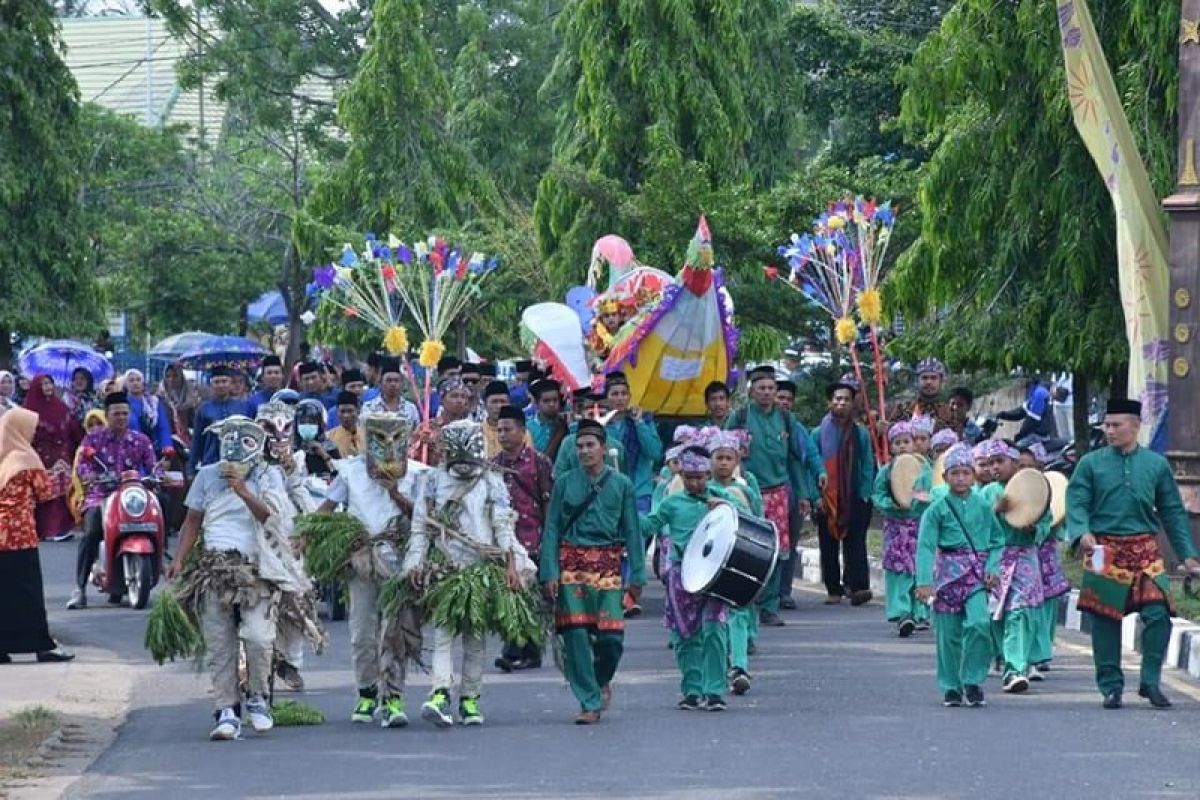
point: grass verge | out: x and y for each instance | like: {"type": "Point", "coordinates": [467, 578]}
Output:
{"type": "Point", "coordinates": [20, 738]}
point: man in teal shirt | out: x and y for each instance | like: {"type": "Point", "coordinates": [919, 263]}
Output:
{"type": "Point", "coordinates": [1118, 500]}
{"type": "Point", "coordinates": [806, 487]}
{"type": "Point", "coordinates": [548, 427]}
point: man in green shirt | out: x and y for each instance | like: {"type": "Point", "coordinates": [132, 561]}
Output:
{"type": "Point", "coordinates": [591, 524]}
{"type": "Point", "coordinates": [811, 477]}
{"type": "Point", "coordinates": [1119, 498]}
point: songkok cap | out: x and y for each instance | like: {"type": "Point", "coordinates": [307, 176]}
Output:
{"type": "Point", "coordinates": [958, 456]}
{"type": "Point", "coordinates": [930, 366]}
{"type": "Point", "coordinates": [271, 361]}
{"type": "Point", "coordinates": [495, 388]}
{"type": "Point", "coordinates": [589, 427]}
{"type": "Point", "coordinates": [471, 368]}
{"type": "Point", "coordinates": [347, 399]}
{"type": "Point", "coordinates": [488, 370]}
{"type": "Point", "coordinates": [116, 398]}
{"type": "Point", "coordinates": [538, 388]}
{"type": "Point", "coordinates": [695, 459]}
{"type": "Point", "coordinates": [447, 363]}
{"type": "Point", "coordinates": [1123, 405]}
{"type": "Point", "coordinates": [352, 376]}
{"type": "Point", "coordinates": [842, 384]}
{"type": "Point", "coordinates": [220, 371]}
{"type": "Point", "coordinates": [898, 429]}
{"type": "Point", "coordinates": [309, 367]}
{"type": "Point", "coordinates": [922, 424]}
{"type": "Point", "coordinates": [522, 366]}
{"type": "Point", "coordinates": [944, 438]}
{"type": "Point", "coordinates": [761, 372]}
{"type": "Point", "coordinates": [513, 413]}
{"type": "Point", "coordinates": [389, 364]}
{"type": "Point", "coordinates": [785, 386]}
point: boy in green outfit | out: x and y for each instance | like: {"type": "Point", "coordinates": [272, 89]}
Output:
{"type": "Point", "coordinates": [900, 535]}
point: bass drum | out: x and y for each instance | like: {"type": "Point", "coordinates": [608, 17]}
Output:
{"type": "Point", "coordinates": [730, 556]}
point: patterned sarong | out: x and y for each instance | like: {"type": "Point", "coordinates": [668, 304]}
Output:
{"type": "Point", "coordinates": [900, 544]}
{"type": "Point", "coordinates": [957, 574]}
{"type": "Point", "coordinates": [776, 502]}
{"type": "Point", "coordinates": [684, 612]}
{"type": "Point", "coordinates": [1020, 580]}
{"type": "Point", "coordinates": [1133, 575]}
{"type": "Point", "coordinates": [589, 592]}
{"type": "Point", "coordinates": [1054, 582]}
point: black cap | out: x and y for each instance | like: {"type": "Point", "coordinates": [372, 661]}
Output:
{"type": "Point", "coordinates": [309, 367]}
{"type": "Point", "coordinates": [271, 361]}
{"type": "Point", "coordinates": [494, 388]}
{"type": "Point", "coordinates": [347, 399]}
{"type": "Point", "coordinates": [833, 387]}
{"type": "Point", "coordinates": [353, 376]}
{"type": "Point", "coordinates": [374, 358]}
{"type": "Point", "coordinates": [589, 427]}
{"type": "Point", "coordinates": [115, 399]}
{"type": "Point", "coordinates": [538, 388]}
{"type": "Point", "coordinates": [470, 367]}
{"type": "Point", "coordinates": [220, 371]}
{"type": "Point", "coordinates": [785, 386]}
{"type": "Point", "coordinates": [513, 413]}
{"type": "Point", "coordinates": [761, 372]}
{"type": "Point", "coordinates": [523, 366]}
{"type": "Point", "coordinates": [448, 362]}
{"type": "Point", "coordinates": [388, 364]}
{"type": "Point", "coordinates": [488, 370]}
{"type": "Point", "coordinates": [1123, 405]}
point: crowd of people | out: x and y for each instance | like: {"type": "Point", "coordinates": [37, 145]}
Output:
{"type": "Point", "coordinates": [576, 491]}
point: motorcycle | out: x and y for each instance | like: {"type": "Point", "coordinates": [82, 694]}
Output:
{"type": "Point", "coordinates": [131, 556]}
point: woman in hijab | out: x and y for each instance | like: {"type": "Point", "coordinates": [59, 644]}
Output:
{"type": "Point", "coordinates": [22, 389]}
{"type": "Point", "coordinates": [23, 484]}
{"type": "Point", "coordinates": [93, 421]}
{"type": "Point", "coordinates": [81, 396]}
{"type": "Point", "coordinates": [182, 399]}
{"type": "Point", "coordinates": [8, 388]}
{"type": "Point", "coordinates": [147, 415]}
{"type": "Point", "coordinates": [57, 437]}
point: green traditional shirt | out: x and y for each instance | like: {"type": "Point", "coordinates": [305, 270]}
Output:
{"type": "Point", "coordinates": [568, 459]}
{"type": "Point", "coordinates": [941, 529]}
{"type": "Point", "coordinates": [747, 491]}
{"type": "Point", "coordinates": [771, 457]}
{"type": "Point", "coordinates": [610, 520]}
{"type": "Point", "coordinates": [882, 496]}
{"type": "Point", "coordinates": [681, 513]}
{"type": "Point", "coordinates": [649, 451]}
{"type": "Point", "coordinates": [1124, 494]}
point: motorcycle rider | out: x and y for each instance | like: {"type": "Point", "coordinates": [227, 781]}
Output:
{"type": "Point", "coordinates": [1035, 415]}
{"type": "Point", "coordinates": [106, 454]}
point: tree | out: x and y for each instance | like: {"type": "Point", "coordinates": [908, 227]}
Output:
{"type": "Point", "coordinates": [1017, 242]}
{"type": "Point", "coordinates": [44, 287]}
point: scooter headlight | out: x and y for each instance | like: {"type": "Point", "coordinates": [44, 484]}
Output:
{"type": "Point", "coordinates": [134, 502]}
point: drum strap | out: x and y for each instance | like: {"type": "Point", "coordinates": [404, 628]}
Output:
{"type": "Point", "coordinates": [967, 535]}
{"type": "Point", "coordinates": [592, 494]}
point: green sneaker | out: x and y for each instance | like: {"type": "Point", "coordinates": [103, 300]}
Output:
{"type": "Point", "coordinates": [365, 710]}
{"type": "Point", "coordinates": [392, 715]}
{"type": "Point", "coordinates": [468, 711]}
{"type": "Point", "coordinates": [437, 709]}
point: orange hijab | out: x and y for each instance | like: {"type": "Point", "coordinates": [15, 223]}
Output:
{"type": "Point", "coordinates": [17, 427]}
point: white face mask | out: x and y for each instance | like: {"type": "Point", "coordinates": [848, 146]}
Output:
{"type": "Point", "coordinates": [307, 431]}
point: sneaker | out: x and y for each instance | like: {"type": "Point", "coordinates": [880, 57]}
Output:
{"type": "Point", "coordinates": [365, 710]}
{"type": "Point", "coordinates": [952, 699]}
{"type": "Point", "coordinates": [468, 711]}
{"type": "Point", "coordinates": [905, 628]}
{"type": "Point", "coordinates": [1035, 674]}
{"type": "Point", "coordinates": [229, 727]}
{"type": "Point", "coordinates": [1015, 684]}
{"type": "Point", "coordinates": [437, 709]}
{"type": "Point", "coordinates": [769, 620]}
{"type": "Point", "coordinates": [787, 604]}
{"type": "Point", "coordinates": [690, 703]}
{"type": "Point", "coordinates": [259, 713]}
{"type": "Point", "coordinates": [860, 597]}
{"type": "Point", "coordinates": [63, 537]}
{"type": "Point", "coordinates": [391, 714]}
{"type": "Point", "coordinates": [633, 608]}
{"type": "Point", "coordinates": [923, 625]}
{"type": "Point", "coordinates": [739, 682]}
{"type": "Point", "coordinates": [290, 676]}
{"type": "Point", "coordinates": [833, 599]}
{"type": "Point", "coordinates": [78, 600]}
{"type": "Point", "coordinates": [975, 697]}
{"type": "Point", "coordinates": [714, 702]}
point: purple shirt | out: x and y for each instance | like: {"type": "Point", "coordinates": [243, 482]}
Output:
{"type": "Point", "coordinates": [114, 454]}
{"type": "Point", "coordinates": [528, 478]}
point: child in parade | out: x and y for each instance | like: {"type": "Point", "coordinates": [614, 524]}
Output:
{"type": "Point", "coordinates": [900, 535]}
{"type": "Point", "coordinates": [922, 432]}
{"type": "Point", "coordinates": [958, 550]}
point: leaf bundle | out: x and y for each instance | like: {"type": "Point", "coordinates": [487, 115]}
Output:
{"type": "Point", "coordinates": [170, 632]}
{"type": "Point", "coordinates": [290, 713]}
{"type": "Point", "coordinates": [477, 600]}
{"type": "Point", "coordinates": [328, 542]}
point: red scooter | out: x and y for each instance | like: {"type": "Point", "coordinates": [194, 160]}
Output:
{"type": "Point", "coordinates": [134, 539]}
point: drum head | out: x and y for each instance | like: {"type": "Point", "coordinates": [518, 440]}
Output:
{"type": "Point", "coordinates": [709, 548]}
{"type": "Point", "coordinates": [1058, 496]}
{"type": "Point", "coordinates": [1028, 496]}
{"type": "Point", "coordinates": [906, 468]}
{"type": "Point", "coordinates": [939, 469]}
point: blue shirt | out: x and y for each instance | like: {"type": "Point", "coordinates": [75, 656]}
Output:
{"type": "Point", "coordinates": [160, 431]}
{"type": "Point", "coordinates": [206, 449]}
{"type": "Point", "coordinates": [1037, 401]}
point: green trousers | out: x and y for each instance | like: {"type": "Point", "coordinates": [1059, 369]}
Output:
{"type": "Point", "coordinates": [1106, 647]}
{"type": "Point", "coordinates": [901, 601]}
{"type": "Point", "coordinates": [743, 622]}
{"type": "Point", "coordinates": [1042, 648]}
{"type": "Point", "coordinates": [1017, 643]}
{"type": "Point", "coordinates": [768, 601]}
{"type": "Point", "coordinates": [964, 645]}
{"type": "Point", "coordinates": [701, 660]}
{"type": "Point", "coordinates": [591, 661]}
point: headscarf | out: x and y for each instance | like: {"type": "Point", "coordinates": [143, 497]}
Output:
{"type": "Point", "coordinates": [51, 411]}
{"type": "Point", "coordinates": [96, 414]}
{"type": "Point", "coordinates": [958, 456]}
{"type": "Point", "coordinates": [898, 429]}
{"type": "Point", "coordinates": [944, 438]}
{"type": "Point", "coordinates": [183, 397]}
{"type": "Point", "coordinates": [149, 401]}
{"type": "Point", "coordinates": [16, 444]}
{"type": "Point", "coordinates": [694, 459]}
{"type": "Point", "coordinates": [3, 374]}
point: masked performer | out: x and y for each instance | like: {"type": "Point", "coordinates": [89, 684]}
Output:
{"type": "Point", "coordinates": [245, 578]}
{"type": "Point", "coordinates": [464, 512]}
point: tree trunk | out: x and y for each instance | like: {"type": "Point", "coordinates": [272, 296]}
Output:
{"type": "Point", "coordinates": [293, 295]}
{"type": "Point", "coordinates": [1080, 405]}
{"type": "Point", "coordinates": [1120, 382]}
{"type": "Point", "coordinates": [6, 351]}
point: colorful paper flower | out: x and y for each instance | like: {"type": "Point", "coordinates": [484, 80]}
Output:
{"type": "Point", "coordinates": [845, 330]}
{"type": "Point", "coordinates": [324, 276]}
{"type": "Point", "coordinates": [395, 341]}
{"type": "Point", "coordinates": [431, 353]}
{"type": "Point", "coordinates": [870, 306]}
{"type": "Point", "coordinates": [772, 273]}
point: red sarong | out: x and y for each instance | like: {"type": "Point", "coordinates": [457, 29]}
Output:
{"type": "Point", "coordinates": [776, 502]}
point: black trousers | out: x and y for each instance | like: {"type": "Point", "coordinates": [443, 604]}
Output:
{"type": "Point", "coordinates": [89, 545]}
{"type": "Point", "coordinates": [844, 564]}
{"type": "Point", "coordinates": [787, 569]}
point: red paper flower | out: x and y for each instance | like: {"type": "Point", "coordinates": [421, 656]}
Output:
{"type": "Point", "coordinates": [88, 452]}
{"type": "Point", "coordinates": [351, 311]}
{"type": "Point", "coordinates": [771, 272]}
{"type": "Point", "coordinates": [388, 272]}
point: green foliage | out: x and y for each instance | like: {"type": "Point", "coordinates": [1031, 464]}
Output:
{"type": "Point", "coordinates": [1017, 245]}
{"type": "Point", "coordinates": [328, 543]}
{"type": "Point", "coordinates": [45, 287]}
{"type": "Point", "coordinates": [477, 600]}
{"type": "Point", "coordinates": [170, 632]}
{"type": "Point", "coordinates": [289, 713]}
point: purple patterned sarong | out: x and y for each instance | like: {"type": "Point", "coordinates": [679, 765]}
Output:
{"type": "Point", "coordinates": [900, 544]}
{"type": "Point", "coordinates": [1020, 579]}
{"type": "Point", "coordinates": [957, 574]}
{"type": "Point", "coordinates": [1054, 582]}
{"type": "Point", "coordinates": [685, 612]}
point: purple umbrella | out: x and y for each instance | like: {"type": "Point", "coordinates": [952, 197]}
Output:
{"type": "Point", "coordinates": [230, 351]}
{"type": "Point", "coordinates": [58, 358]}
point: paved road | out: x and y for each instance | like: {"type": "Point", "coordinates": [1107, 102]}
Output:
{"type": "Point", "coordinates": [839, 708]}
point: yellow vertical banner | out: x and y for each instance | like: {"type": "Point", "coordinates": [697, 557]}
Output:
{"type": "Point", "coordinates": [1141, 237]}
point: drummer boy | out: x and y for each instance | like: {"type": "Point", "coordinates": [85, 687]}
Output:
{"type": "Point", "coordinates": [900, 522]}
{"type": "Point", "coordinates": [699, 635]}
{"type": "Point", "coordinates": [958, 550]}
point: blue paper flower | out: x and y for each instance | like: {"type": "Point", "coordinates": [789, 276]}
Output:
{"type": "Point", "coordinates": [404, 254]}
{"type": "Point", "coordinates": [349, 257]}
{"type": "Point", "coordinates": [323, 277]}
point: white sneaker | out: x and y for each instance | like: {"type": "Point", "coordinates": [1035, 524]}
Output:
{"type": "Point", "coordinates": [229, 727]}
{"type": "Point", "coordinates": [259, 713]}
{"type": "Point", "coordinates": [1035, 674]}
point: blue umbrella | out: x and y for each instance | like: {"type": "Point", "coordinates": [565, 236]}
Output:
{"type": "Point", "coordinates": [232, 351]}
{"type": "Point", "coordinates": [173, 347]}
{"type": "Point", "coordinates": [270, 308]}
{"type": "Point", "coordinates": [58, 358]}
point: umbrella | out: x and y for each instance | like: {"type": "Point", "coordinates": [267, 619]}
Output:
{"type": "Point", "coordinates": [270, 308]}
{"type": "Point", "coordinates": [173, 347]}
{"type": "Point", "coordinates": [58, 358]}
{"type": "Point", "coordinates": [231, 351]}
